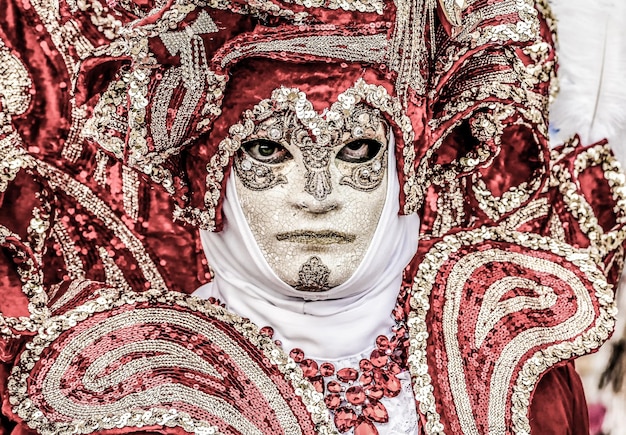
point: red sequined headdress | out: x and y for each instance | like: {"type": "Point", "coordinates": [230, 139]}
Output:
{"type": "Point", "coordinates": [116, 117]}
{"type": "Point", "coordinates": [188, 65]}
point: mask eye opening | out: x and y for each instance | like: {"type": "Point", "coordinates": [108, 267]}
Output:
{"type": "Point", "coordinates": [360, 150]}
{"type": "Point", "coordinates": [265, 151]}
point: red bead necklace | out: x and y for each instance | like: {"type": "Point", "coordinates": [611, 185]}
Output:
{"type": "Point", "coordinates": [353, 394]}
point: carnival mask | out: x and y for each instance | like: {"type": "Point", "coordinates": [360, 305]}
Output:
{"type": "Point", "coordinates": [312, 187]}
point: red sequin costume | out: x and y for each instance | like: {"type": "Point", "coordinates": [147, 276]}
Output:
{"type": "Point", "coordinates": [114, 119]}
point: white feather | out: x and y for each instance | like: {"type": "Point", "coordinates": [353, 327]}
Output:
{"type": "Point", "coordinates": [592, 73]}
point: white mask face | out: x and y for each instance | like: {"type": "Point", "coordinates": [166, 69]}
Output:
{"type": "Point", "coordinates": [312, 189]}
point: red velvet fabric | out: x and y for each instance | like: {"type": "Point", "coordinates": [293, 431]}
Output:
{"type": "Point", "coordinates": [558, 406]}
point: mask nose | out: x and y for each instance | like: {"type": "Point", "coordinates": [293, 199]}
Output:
{"type": "Point", "coordinates": [318, 193]}
{"type": "Point", "coordinates": [318, 180]}
{"type": "Point", "coordinates": [316, 206]}
{"type": "Point", "coordinates": [319, 184]}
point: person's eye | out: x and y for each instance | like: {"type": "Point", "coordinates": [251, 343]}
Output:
{"type": "Point", "coordinates": [266, 151]}
{"type": "Point", "coordinates": [359, 151]}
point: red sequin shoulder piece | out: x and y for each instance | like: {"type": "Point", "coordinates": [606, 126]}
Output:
{"type": "Point", "coordinates": [117, 362]}
{"type": "Point", "coordinates": [498, 305]}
